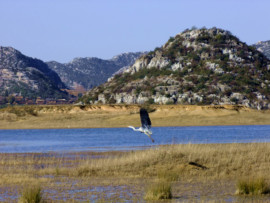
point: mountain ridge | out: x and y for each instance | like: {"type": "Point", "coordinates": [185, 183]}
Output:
{"type": "Point", "coordinates": [264, 47]}
{"type": "Point", "coordinates": [26, 76]}
{"type": "Point", "coordinates": [80, 70]}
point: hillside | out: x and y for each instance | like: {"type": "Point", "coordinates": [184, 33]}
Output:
{"type": "Point", "coordinates": [28, 77]}
{"type": "Point", "coordinates": [198, 66]}
{"type": "Point", "coordinates": [89, 72]}
{"type": "Point", "coordinates": [263, 47]}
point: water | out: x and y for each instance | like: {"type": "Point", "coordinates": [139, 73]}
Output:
{"type": "Point", "coordinates": [106, 139]}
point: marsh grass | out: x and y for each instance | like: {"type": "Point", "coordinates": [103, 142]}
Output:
{"type": "Point", "coordinates": [255, 186]}
{"type": "Point", "coordinates": [159, 190]}
{"type": "Point", "coordinates": [172, 163]}
{"type": "Point", "coordinates": [168, 175]}
{"type": "Point", "coordinates": [31, 194]}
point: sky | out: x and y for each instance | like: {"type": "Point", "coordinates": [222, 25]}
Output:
{"type": "Point", "coordinates": [61, 30]}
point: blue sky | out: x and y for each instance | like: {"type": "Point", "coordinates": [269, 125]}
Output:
{"type": "Point", "coordinates": [64, 29]}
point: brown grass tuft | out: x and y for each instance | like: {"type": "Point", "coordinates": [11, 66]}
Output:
{"type": "Point", "coordinates": [160, 190]}
{"type": "Point", "coordinates": [257, 186]}
{"type": "Point", "coordinates": [32, 194]}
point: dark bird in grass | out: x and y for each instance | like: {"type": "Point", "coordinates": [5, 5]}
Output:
{"type": "Point", "coordinates": [146, 124]}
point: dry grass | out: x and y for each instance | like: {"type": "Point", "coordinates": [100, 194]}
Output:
{"type": "Point", "coordinates": [171, 162]}
{"type": "Point", "coordinates": [159, 190]}
{"type": "Point", "coordinates": [31, 194]}
{"type": "Point", "coordinates": [212, 160]}
{"type": "Point", "coordinates": [186, 164]}
{"type": "Point", "coordinates": [252, 186]}
{"type": "Point", "coordinates": [95, 116]}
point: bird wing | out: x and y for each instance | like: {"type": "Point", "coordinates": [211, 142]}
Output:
{"type": "Point", "coordinates": [145, 120]}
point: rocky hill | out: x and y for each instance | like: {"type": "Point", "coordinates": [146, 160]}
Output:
{"type": "Point", "coordinates": [263, 47]}
{"type": "Point", "coordinates": [89, 72]}
{"type": "Point", "coordinates": [198, 66]}
{"type": "Point", "coordinates": [27, 77]}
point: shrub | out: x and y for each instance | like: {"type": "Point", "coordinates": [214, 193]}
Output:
{"type": "Point", "coordinates": [252, 187]}
{"type": "Point", "coordinates": [150, 101]}
{"type": "Point", "coordinates": [138, 90]}
{"type": "Point", "coordinates": [171, 39]}
{"type": "Point", "coordinates": [169, 102]}
{"type": "Point", "coordinates": [31, 194]}
{"type": "Point", "coordinates": [159, 190]}
{"type": "Point", "coordinates": [31, 111]}
{"type": "Point", "coordinates": [112, 101]}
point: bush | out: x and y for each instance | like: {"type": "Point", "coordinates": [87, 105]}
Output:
{"type": "Point", "coordinates": [252, 187]}
{"type": "Point", "coordinates": [150, 101]}
{"type": "Point", "coordinates": [159, 190]}
{"type": "Point", "coordinates": [31, 194]}
{"type": "Point", "coordinates": [31, 111]}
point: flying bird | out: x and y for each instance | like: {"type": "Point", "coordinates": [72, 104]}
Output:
{"type": "Point", "coordinates": [146, 124]}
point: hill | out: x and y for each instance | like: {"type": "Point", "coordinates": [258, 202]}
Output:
{"type": "Point", "coordinates": [198, 66]}
{"type": "Point", "coordinates": [26, 76]}
{"type": "Point", "coordinates": [263, 47]}
{"type": "Point", "coordinates": [90, 71]}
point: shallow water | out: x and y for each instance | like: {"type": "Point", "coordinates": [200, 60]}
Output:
{"type": "Point", "coordinates": [107, 139]}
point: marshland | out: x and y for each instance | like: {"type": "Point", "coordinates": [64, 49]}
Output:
{"type": "Point", "coordinates": [181, 172]}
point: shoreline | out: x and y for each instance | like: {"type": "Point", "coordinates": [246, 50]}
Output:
{"type": "Point", "coordinates": [121, 116]}
{"type": "Point", "coordinates": [135, 126]}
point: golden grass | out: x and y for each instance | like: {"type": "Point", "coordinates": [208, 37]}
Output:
{"type": "Point", "coordinates": [31, 194]}
{"type": "Point", "coordinates": [95, 116]}
{"type": "Point", "coordinates": [171, 162]}
{"type": "Point", "coordinates": [159, 190]}
{"type": "Point", "coordinates": [185, 163]}
{"type": "Point", "coordinates": [213, 161]}
{"type": "Point", "coordinates": [254, 186]}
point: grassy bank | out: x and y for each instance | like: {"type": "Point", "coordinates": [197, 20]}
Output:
{"type": "Point", "coordinates": [97, 116]}
{"type": "Point", "coordinates": [211, 170]}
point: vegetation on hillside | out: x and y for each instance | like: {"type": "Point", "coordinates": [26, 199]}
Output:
{"type": "Point", "coordinates": [28, 77]}
{"type": "Point", "coordinates": [203, 66]}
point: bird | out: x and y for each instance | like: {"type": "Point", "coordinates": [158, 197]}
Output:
{"type": "Point", "coordinates": [146, 124]}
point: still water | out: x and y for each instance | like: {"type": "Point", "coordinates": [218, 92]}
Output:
{"type": "Point", "coordinates": [106, 139]}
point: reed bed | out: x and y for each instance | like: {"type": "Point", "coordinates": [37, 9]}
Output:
{"type": "Point", "coordinates": [173, 161]}
{"type": "Point", "coordinates": [190, 160]}
{"type": "Point", "coordinates": [185, 163]}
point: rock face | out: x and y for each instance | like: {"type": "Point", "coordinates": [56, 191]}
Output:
{"type": "Point", "coordinates": [89, 72]}
{"type": "Point", "coordinates": [263, 47]}
{"type": "Point", "coordinates": [27, 77]}
{"type": "Point", "coordinates": [198, 66]}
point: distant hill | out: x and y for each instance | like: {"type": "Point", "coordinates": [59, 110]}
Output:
{"type": "Point", "coordinates": [26, 76]}
{"type": "Point", "coordinates": [198, 66]}
{"type": "Point", "coordinates": [263, 47]}
{"type": "Point", "coordinates": [89, 72]}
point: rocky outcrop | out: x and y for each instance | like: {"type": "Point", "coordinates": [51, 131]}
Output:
{"type": "Point", "coordinates": [90, 71]}
{"type": "Point", "coordinates": [263, 47]}
{"type": "Point", "coordinates": [22, 75]}
{"type": "Point", "coordinates": [199, 66]}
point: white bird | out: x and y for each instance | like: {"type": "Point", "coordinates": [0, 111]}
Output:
{"type": "Point", "coordinates": [146, 124]}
